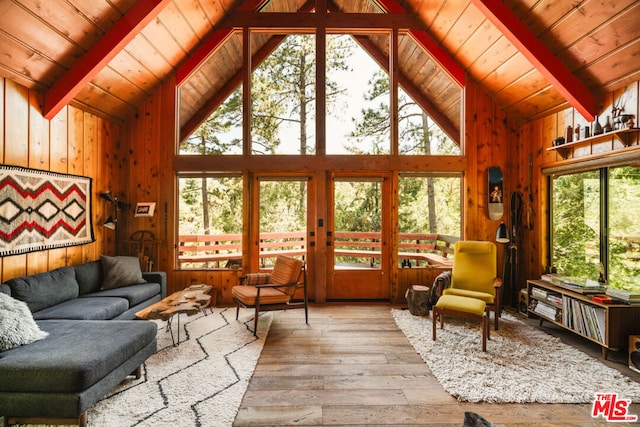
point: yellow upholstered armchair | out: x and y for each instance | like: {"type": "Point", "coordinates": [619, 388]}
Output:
{"type": "Point", "coordinates": [272, 291]}
{"type": "Point", "coordinates": [474, 274]}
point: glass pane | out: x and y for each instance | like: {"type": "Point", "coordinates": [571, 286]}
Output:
{"type": "Point", "coordinates": [418, 133]}
{"type": "Point", "coordinates": [357, 99]}
{"type": "Point", "coordinates": [221, 133]}
{"type": "Point", "coordinates": [576, 224]}
{"type": "Point", "coordinates": [624, 228]}
{"type": "Point", "coordinates": [283, 220]}
{"type": "Point", "coordinates": [283, 116]}
{"type": "Point", "coordinates": [210, 222]}
{"type": "Point", "coordinates": [427, 207]}
{"type": "Point", "coordinates": [358, 224]}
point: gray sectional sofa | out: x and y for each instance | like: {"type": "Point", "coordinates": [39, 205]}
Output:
{"type": "Point", "coordinates": [93, 343]}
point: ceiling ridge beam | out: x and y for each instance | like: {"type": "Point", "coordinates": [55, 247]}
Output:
{"type": "Point", "coordinates": [100, 54]}
{"type": "Point", "coordinates": [212, 42]}
{"type": "Point", "coordinates": [429, 44]}
{"type": "Point", "coordinates": [540, 56]}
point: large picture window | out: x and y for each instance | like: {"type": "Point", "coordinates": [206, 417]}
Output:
{"type": "Point", "coordinates": [429, 212]}
{"type": "Point", "coordinates": [209, 221]}
{"type": "Point", "coordinates": [594, 221]}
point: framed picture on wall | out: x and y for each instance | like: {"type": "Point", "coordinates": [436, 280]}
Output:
{"type": "Point", "coordinates": [145, 208]}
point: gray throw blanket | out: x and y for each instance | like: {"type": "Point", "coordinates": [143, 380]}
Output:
{"type": "Point", "coordinates": [441, 282]}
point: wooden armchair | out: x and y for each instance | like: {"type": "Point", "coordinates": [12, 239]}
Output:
{"type": "Point", "coordinates": [474, 274]}
{"type": "Point", "coordinates": [272, 291]}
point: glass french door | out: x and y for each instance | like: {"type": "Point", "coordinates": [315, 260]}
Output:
{"type": "Point", "coordinates": [358, 237]}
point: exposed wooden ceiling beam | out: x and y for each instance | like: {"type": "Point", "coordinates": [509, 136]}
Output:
{"type": "Point", "coordinates": [100, 54]}
{"type": "Point", "coordinates": [212, 42]}
{"type": "Point", "coordinates": [565, 82]}
{"type": "Point", "coordinates": [445, 124]}
{"type": "Point", "coordinates": [429, 44]}
{"type": "Point", "coordinates": [289, 21]}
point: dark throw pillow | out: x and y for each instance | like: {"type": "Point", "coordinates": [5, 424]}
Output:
{"type": "Point", "coordinates": [120, 271]}
{"type": "Point", "coordinates": [17, 326]}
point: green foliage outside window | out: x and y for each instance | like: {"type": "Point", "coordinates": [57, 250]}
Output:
{"type": "Point", "coordinates": [579, 226]}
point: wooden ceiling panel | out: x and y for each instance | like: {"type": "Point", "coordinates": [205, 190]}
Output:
{"type": "Point", "coordinates": [132, 72]}
{"type": "Point", "coordinates": [23, 65]}
{"type": "Point", "coordinates": [427, 11]}
{"type": "Point", "coordinates": [576, 23]}
{"type": "Point", "coordinates": [60, 14]}
{"type": "Point", "coordinates": [544, 14]}
{"type": "Point", "coordinates": [197, 19]}
{"type": "Point", "coordinates": [613, 70]}
{"type": "Point", "coordinates": [505, 74]}
{"type": "Point", "coordinates": [353, 6]}
{"type": "Point", "coordinates": [109, 105]}
{"type": "Point", "coordinates": [463, 29]}
{"type": "Point", "coordinates": [501, 52]}
{"type": "Point", "coordinates": [538, 104]}
{"type": "Point", "coordinates": [477, 45]}
{"type": "Point", "coordinates": [173, 21]}
{"type": "Point", "coordinates": [448, 16]}
{"type": "Point", "coordinates": [149, 57]}
{"type": "Point", "coordinates": [28, 28]}
{"type": "Point", "coordinates": [528, 85]}
{"type": "Point", "coordinates": [412, 57]}
{"type": "Point", "coordinates": [166, 43]}
{"type": "Point", "coordinates": [116, 85]}
{"type": "Point", "coordinates": [104, 13]}
{"type": "Point", "coordinates": [623, 29]}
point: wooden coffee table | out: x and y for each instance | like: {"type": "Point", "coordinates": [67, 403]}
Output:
{"type": "Point", "coordinates": [191, 300]}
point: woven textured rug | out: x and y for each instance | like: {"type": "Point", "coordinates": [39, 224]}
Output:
{"type": "Point", "coordinates": [522, 364]}
{"type": "Point", "coordinates": [43, 210]}
{"type": "Point", "coordinates": [199, 382]}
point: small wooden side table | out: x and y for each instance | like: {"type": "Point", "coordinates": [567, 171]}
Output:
{"type": "Point", "coordinates": [191, 300]}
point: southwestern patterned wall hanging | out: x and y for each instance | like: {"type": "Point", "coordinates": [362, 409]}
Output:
{"type": "Point", "coordinates": [42, 210]}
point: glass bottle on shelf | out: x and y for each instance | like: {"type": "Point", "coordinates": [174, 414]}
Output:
{"type": "Point", "coordinates": [607, 126]}
{"type": "Point", "coordinates": [597, 127]}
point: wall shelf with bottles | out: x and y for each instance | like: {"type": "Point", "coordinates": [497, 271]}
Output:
{"type": "Point", "coordinates": [625, 136]}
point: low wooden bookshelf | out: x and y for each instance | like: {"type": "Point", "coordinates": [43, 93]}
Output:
{"type": "Point", "coordinates": [608, 325]}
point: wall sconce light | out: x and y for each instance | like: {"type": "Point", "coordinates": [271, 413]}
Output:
{"type": "Point", "coordinates": [502, 234]}
{"type": "Point", "coordinates": [112, 221]}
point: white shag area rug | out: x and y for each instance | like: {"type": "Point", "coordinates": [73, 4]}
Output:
{"type": "Point", "coordinates": [522, 364]}
{"type": "Point", "coordinates": [199, 382]}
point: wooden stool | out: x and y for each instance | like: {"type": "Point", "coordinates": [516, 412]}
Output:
{"type": "Point", "coordinates": [467, 308]}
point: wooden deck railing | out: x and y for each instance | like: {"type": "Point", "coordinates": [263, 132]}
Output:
{"type": "Point", "coordinates": [223, 250]}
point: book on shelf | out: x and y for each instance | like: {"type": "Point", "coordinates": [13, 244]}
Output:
{"type": "Point", "coordinates": [585, 318]}
{"type": "Point", "coordinates": [545, 310]}
{"type": "Point", "coordinates": [623, 295]}
{"type": "Point", "coordinates": [555, 299]}
{"type": "Point", "coordinates": [538, 293]}
{"type": "Point", "coordinates": [602, 298]}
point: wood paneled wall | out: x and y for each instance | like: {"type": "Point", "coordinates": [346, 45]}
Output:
{"type": "Point", "coordinates": [536, 137]}
{"type": "Point", "coordinates": [73, 142]}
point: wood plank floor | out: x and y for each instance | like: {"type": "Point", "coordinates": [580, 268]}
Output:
{"type": "Point", "coordinates": [352, 366]}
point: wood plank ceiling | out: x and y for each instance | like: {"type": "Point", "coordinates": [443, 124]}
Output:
{"type": "Point", "coordinates": [596, 43]}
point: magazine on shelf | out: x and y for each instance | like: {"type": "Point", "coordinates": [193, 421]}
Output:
{"type": "Point", "coordinates": [623, 295]}
{"type": "Point", "coordinates": [576, 284]}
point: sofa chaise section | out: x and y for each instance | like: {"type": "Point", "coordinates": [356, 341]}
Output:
{"type": "Point", "coordinates": [65, 374]}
